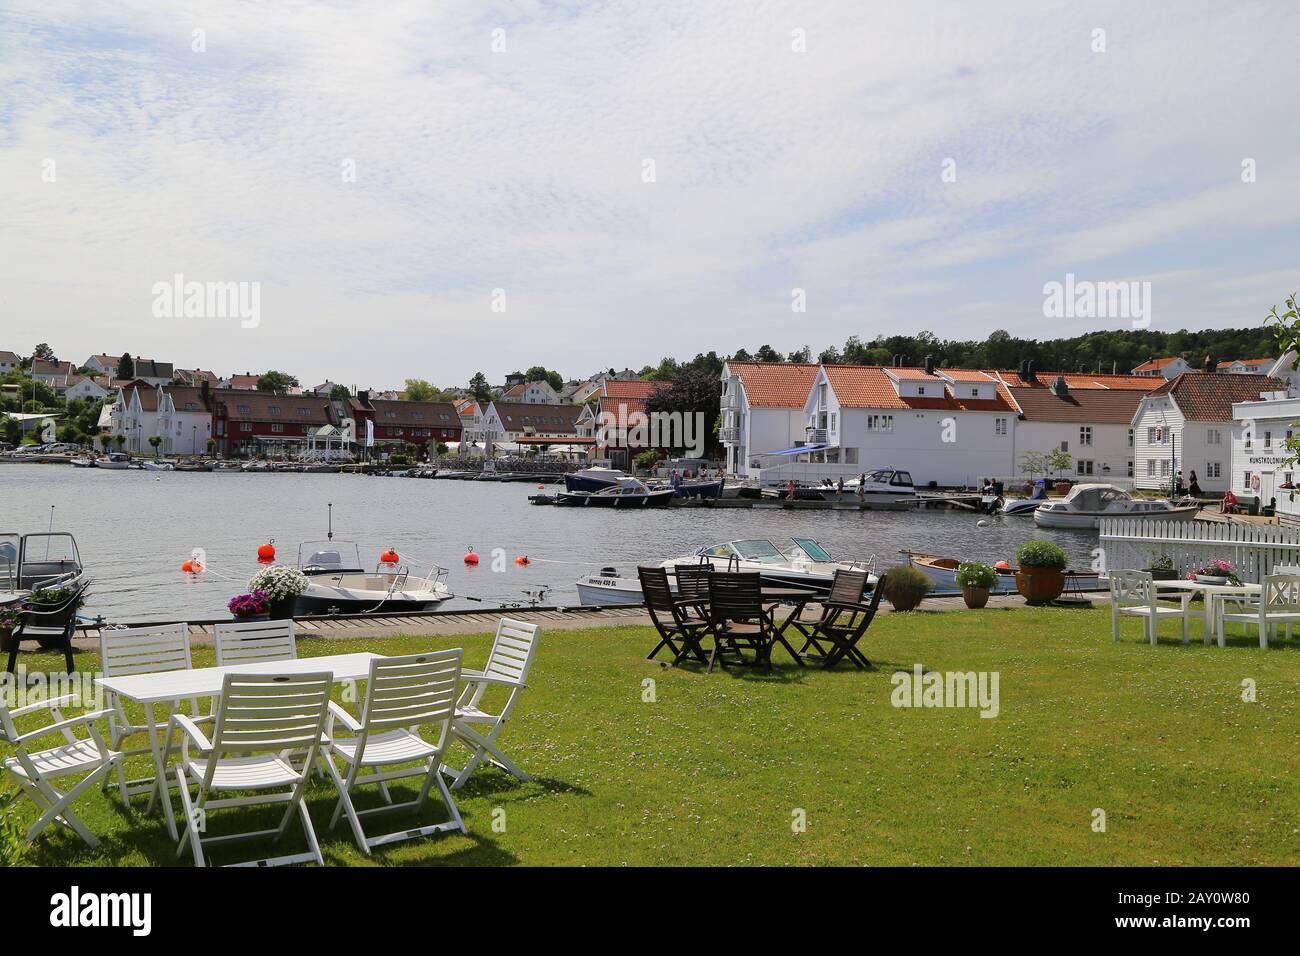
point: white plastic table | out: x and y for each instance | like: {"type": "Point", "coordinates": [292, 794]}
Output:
{"type": "Point", "coordinates": [168, 687]}
{"type": "Point", "coordinates": [1213, 594]}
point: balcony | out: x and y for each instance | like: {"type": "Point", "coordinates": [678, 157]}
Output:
{"type": "Point", "coordinates": [729, 434]}
{"type": "Point", "coordinates": [816, 436]}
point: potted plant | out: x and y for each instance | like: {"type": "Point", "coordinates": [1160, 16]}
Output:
{"type": "Point", "coordinates": [1162, 568]}
{"type": "Point", "coordinates": [9, 619]}
{"type": "Point", "coordinates": [906, 586]}
{"type": "Point", "coordinates": [282, 586]}
{"type": "Point", "coordinates": [1040, 577]}
{"type": "Point", "coordinates": [250, 607]}
{"type": "Point", "coordinates": [976, 579]}
{"type": "Point", "coordinates": [1216, 571]}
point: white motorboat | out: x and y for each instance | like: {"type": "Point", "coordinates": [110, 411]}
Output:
{"type": "Point", "coordinates": [339, 584]}
{"type": "Point", "coordinates": [804, 565]}
{"type": "Point", "coordinates": [625, 493]}
{"type": "Point", "coordinates": [116, 461]}
{"type": "Point", "coordinates": [1022, 507]}
{"type": "Point", "coordinates": [30, 562]}
{"type": "Point", "coordinates": [885, 489]}
{"type": "Point", "coordinates": [151, 465]}
{"type": "Point", "coordinates": [1087, 504]}
{"type": "Point", "coordinates": [82, 461]}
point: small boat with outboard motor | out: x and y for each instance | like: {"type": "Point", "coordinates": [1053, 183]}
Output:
{"type": "Point", "coordinates": [627, 493]}
{"type": "Point", "coordinates": [806, 565]}
{"type": "Point", "coordinates": [884, 489]}
{"type": "Point", "coordinates": [1086, 504]}
{"type": "Point", "coordinates": [339, 584]}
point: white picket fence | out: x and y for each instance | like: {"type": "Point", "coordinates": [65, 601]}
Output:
{"type": "Point", "coordinates": [1135, 543]}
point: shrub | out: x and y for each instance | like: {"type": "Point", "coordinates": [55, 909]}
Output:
{"type": "Point", "coordinates": [279, 582]}
{"type": "Point", "coordinates": [1041, 554]}
{"type": "Point", "coordinates": [976, 574]}
{"type": "Point", "coordinates": [904, 577]}
{"type": "Point", "coordinates": [398, 459]}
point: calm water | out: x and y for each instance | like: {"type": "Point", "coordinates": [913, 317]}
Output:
{"type": "Point", "coordinates": [134, 528]}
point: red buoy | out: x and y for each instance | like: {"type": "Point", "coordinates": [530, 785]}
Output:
{"type": "Point", "coordinates": [1002, 566]}
{"type": "Point", "coordinates": [522, 560]}
{"type": "Point", "coordinates": [187, 567]}
{"type": "Point", "coordinates": [390, 557]}
{"type": "Point", "coordinates": [266, 552]}
{"type": "Point", "coordinates": [471, 557]}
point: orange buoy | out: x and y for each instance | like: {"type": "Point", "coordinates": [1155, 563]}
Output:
{"type": "Point", "coordinates": [266, 552]}
{"type": "Point", "coordinates": [541, 487]}
{"type": "Point", "coordinates": [187, 567]}
{"type": "Point", "coordinates": [471, 557]}
{"type": "Point", "coordinates": [1002, 566]}
{"type": "Point", "coordinates": [522, 560]}
{"type": "Point", "coordinates": [390, 557]}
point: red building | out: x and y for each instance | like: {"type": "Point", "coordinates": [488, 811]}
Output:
{"type": "Point", "coordinates": [250, 423]}
{"type": "Point", "coordinates": [398, 423]}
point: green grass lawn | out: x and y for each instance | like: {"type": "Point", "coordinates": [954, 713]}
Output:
{"type": "Point", "coordinates": [715, 768]}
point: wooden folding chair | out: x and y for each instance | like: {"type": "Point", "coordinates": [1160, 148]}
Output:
{"type": "Point", "coordinates": [844, 619]}
{"type": "Point", "coordinates": [693, 589]}
{"type": "Point", "coordinates": [403, 695]}
{"type": "Point", "coordinates": [739, 619]}
{"type": "Point", "coordinates": [675, 618]}
{"type": "Point", "coordinates": [90, 758]}
{"type": "Point", "coordinates": [261, 721]}
{"type": "Point", "coordinates": [508, 664]}
{"type": "Point", "coordinates": [250, 642]}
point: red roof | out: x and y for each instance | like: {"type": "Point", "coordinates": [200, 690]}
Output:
{"type": "Point", "coordinates": [867, 386]}
{"type": "Point", "coordinates": [1154, 365]}
{"type": "Point", "coordinates": [1209, 398]}
{"type": "Point", "coordinates": [1253, 362]}
{"type": "Point", "coordinates": [1077, 380]}
{"type": "Point", "coordinates": [634, 389]}
{"type": "Point", "coordinates": [775, 384]}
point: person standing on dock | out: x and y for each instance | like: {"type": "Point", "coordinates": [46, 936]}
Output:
{"type": "Point", "coordinates": [862, 487]}
{"type": "Point", "coordinates": [839, 489]}
{"type": "Point", "coordinates": [789, 490]}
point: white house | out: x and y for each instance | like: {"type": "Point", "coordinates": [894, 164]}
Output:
{"type": "Point", "coordinates": [1246, 366]}
{"type": "Point", "coordinates": [9, 361]}
{"type": "Point", "coordinates": [762, 411]}
{"type": "Point", "coordinates": [1166, 368]}
{"type": "Point", "coordinates": [947, 428]}
{"type": "Point", "coordinates": [181, 416]}
{"type": "Point", "coordinates": [1186, 424]}
{"type": "Point", "coordinates": [531, 393]}
{"type": "Point", "coordinates": [86, 386]}
{"type": "Point", "coordinates": [1261, 463]}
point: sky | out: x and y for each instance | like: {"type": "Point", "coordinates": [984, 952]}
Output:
{"type": "Point", "coordinates": [433, 189]}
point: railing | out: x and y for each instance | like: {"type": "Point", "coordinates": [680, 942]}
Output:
{"type": "Point", "coordinates": [1255, 550]}
{"type": "Point", "coordinates": [730, 433]}
{"type": "Point", "coordinates": [816, 436]}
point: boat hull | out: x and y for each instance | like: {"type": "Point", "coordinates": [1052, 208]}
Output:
{"type": "Point", "coordinates": [1085, 520]}
{"type": "Point", "coordinates": [319, 599]}
{"type": "Point", "coordinates": [655, 499]}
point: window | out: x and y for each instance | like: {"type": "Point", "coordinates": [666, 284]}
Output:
{"type": "Point", "coordinates": [1164, 467]}
{"type": "Point", "coordinates": [1245, 481]}
{"type": "Point", "coordinates": [1213, 436]}
{"type": "Point", "coordinates": [191, 406]}
{"type": "Point", "coordinates": [850, 456]}
{"type": "Point", "coordinates": [1065, 446]}
{"type": "Point", "coordinates": [1083, 467]}
{"type": "Point", "coordinates": [1130, 441]}
{"type": "Point", "coordinates": [975, 391]}
{"type": "Point", "coordinates": [920, 389]}
{"type": "Point", "coordinates": [1249, 436]}
{"type": "Point", "coordinates": [277, 427]}
{"type": "Point", "coordinates": [245, 426]}
{"type": "Point", "coordinates": [304, 413]}
{"type": "Point", "coordinates": [245, 410]}
{"type": "Point", "coordinates": [1268, 439]}
{"type": "Point", "coordinates": [1151, 467]}
{"type": "Point", "coordinates": [880, 423]}
{"type": "Point", "coordinates": [1130, 468]}
{"type": "Point", "coordinates": [1212, 470]}
{"type": "Point", "coordinates": [999, 426]}
{"type": "Point", "coordinates": [833, 414]}
{"type": "Point", "coordinates": [417, 416]}
{"type": "Point", "coordinates": [1085, 436]}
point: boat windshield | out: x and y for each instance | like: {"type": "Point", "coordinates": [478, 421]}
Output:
{"type": "Point", "coordinates": [9, 562]}
{"type": "Point", "coordinates": [882, 477]}
{"type": "Point", "coordinates": [814, 550]}
{"type": "Point", "coordinates": [329, 556]}
{"type": "Point", "coordinates": [757, 549]}
{"type": "Point", "coordinates": [47, 559]}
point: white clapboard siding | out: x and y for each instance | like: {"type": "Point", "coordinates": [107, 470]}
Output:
{"type": "Point", "coordinates": [1255, 550]}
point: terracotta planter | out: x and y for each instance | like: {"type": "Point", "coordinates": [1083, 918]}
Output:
{"type": "Point", "coordinates": [1040, 585]}
{"type": "Point", "coordinates": [905, 599]}
{"type": "Point", "coordinates": [975, 598]}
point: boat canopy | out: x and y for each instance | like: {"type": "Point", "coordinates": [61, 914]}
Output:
{"type": "Point", "coordinates": [797, 450]}
{"type": "Point", "coordinates": [1094, 497]}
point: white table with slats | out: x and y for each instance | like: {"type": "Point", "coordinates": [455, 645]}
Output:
{"type": "Point", "coordinates": [168, 687]}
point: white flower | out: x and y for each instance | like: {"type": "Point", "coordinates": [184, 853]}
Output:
{"type": "Point", "coordinates": [279, 582]}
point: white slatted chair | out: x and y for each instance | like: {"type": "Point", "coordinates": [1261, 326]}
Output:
{"type": "Point", "coordinates": [252, 641]}
{"type": "Point", "coordinates": [89, 757]}
{"type": "Point", "coordinates": [508, 664]}
{"type": "Point", "coordinates": [143, 650]}
{"type": "Point", "coordinates": [1279, 603]}
{"type": "Point", "coordinates": [261, 720]}
{"type": "Point", "coordinates": [403, 695]}
{"type": "Point", "coordinates": [1134, 593]}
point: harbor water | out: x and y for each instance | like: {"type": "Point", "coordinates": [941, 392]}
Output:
{"type": "Point", "coordinates": [135, 528]}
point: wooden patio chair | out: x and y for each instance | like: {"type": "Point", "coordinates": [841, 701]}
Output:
{"type": "Point", "coordinates": [477, 729]}
{"type": "Point", "coordinates": [52, 626]}
{"type": "Point", "coordinates": [403, 695]}
{"type": "Point", "coordinates": [249, 642]}
{"type": "Point", "coordinates": [90, 758]}
{"type": "Point", "coordinates": [740, 619]}
{"type": "Point", "coordinates": [680, 630]}
{"type": "Point", "coordinates": [844, 619]}
{"type": "Point", "coordinates": [262, 720]}
{"type": "Point", "coordinates": [693, 587]}
{"type": "Point", "coordinates": [1134, 593]}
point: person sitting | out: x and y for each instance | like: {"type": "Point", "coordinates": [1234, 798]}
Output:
{"type": "Point", "coordinates": [1229, 506]}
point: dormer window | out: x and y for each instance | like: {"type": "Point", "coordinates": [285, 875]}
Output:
{"type": "Point", "coordinates": [975, 391]}
{"type": "Point", "coordinates": [920, 389]}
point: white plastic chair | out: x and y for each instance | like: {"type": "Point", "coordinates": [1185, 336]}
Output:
{"type": "Point", "coordinates": [90, 757]}
{"type": "Point", "coordinates": [143, 650]}
{"type": "Point", "coordinates": [261, 720]}
{"type": "Point", "coordinates": [252, 641]}
{"type": "Point", "coordinates": [403, 695]}
{"type": "Point", "coordinates": [1279, 603]}
{"type": "Point", "coordinates": [1134, 593]}
{"type": "Point", "coordinates": [508, 664]}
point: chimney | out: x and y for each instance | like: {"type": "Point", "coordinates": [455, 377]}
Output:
{"type": "Point", "coordinates": [203, 390]}
{"type": "Point", "coordinates": [1059, 388]}
{"type": "Point", "coordinates": [1024, 368]}
{"type": "Point", "coordinates": [929, 365]}
{"type": "Point", "coordinates": [1030, 375]}
{"type": "Point", "coordinates": [1210, 366]}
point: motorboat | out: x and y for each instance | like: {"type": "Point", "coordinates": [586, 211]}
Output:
{"type": "Point", "coordinates": [193, 465]}
{"type": "Point", "coordinates": [151, 465]}
{"type": "Point", "coordinates": [1087, 504]}
{"type": "Point", "coordinates": [943, 572]}
{"type": "Point", "coordinates": [885, 489]}
{"type": "Point", "coordinates": [806, 564]}
{"type": "Point", "coordinates": [114, 461]}
{"type": "Point", "coordinates": [32, 562]}
{"type": "Point", "coordinates": [227, 467]}
{"type": "Point", "coordinates": [338, 583]}
{"type": "Point", "coordinates": [593, 479]}
{"type": "Point", "coordinates": [627, 493]}
{"type": "Point", "coordinates": [82, 461]}
{"type": "Point", "coordinates": [1021, 507]}
{"type": "Point", "coordinates": [705, 488]}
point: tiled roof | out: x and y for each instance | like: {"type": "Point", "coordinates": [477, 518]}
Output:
{"type": "Point", "coordinates": [544, 419]}
{"type": "Point", "coordinates": [867, 386]}
{"type": "Point", "coordinates": [1077, 380]}
{"type": "Point", "coordinates": [269, 407]}
{"type": "Point", "coordinates": [1101, 406]}
{"type": "Point", "coordinates": [621, 388]}
{"type": "Point", "coordinates": [1209, 398]}
{"type": "Point", "coordinates": [148, 395]}
{"type": "Point", "coordinates": [185, 395]}
{"type": "Point", "coordinates": [244, 381]}
{"type": "Point", "coordinates": [413, 414]}
{"type": "Point", "coordinates": [1154, 365]}
{"type": "Point", "coordinates": [10, 358]}
{"type": "Point", "coordinates": [775, 384]}
{"type": "Point", "coordinates": [1252, 362]}
{"type": "Point", "coordinates": [42, 367]}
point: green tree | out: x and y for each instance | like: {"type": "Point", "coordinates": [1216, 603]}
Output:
{"type": "Point", "coordinates": [1033, 463]}
{"type": "Point", "coordinates": [801, 356]}
{"type": "Point", "coordinates": [154, 442]}
{"type": "Point", "coordinates": [273, 381]}
{"type": "Point", "coordinates": [212, 445]}
{"type": "Point", "coordinates": [419, 390]}
{"type": "Point", "coordinates": [340, 393]}
{"type": "Point", "coordinates": [766, 353]}
{"type": "Point", "coordinates": [44, 353]}
{"type": "Point", "coordinates": [694, 391]}
{"type": "Point", "coordinates": [479, 387]}
{"type": "Point", "coordinates": [1059, 460]}
{"type": "Point", "coordinates": [539, 374]}
{"type": "Point", "coordinates": [120, 440]}
{"type": "Point", "coordinates": [126, 367]}
{"type": "Point", "coordinates": [105, 441]}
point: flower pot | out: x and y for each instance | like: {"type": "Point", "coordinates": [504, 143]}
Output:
{"type": "Point", "coordinates": [905, 599]}
{"type": "Point", "coordinates": [1162, 574]}
{"type": "Point", "coordinates": [244, 618]}
{"type": "Point", "coordinates": [282, 610]}
{"type": "Point", "coordinates": [975, 598]}
{"type": "Point", "coordinates": [1211, 579]}
{"type": "Point", "coordinates": [1040, 585]}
